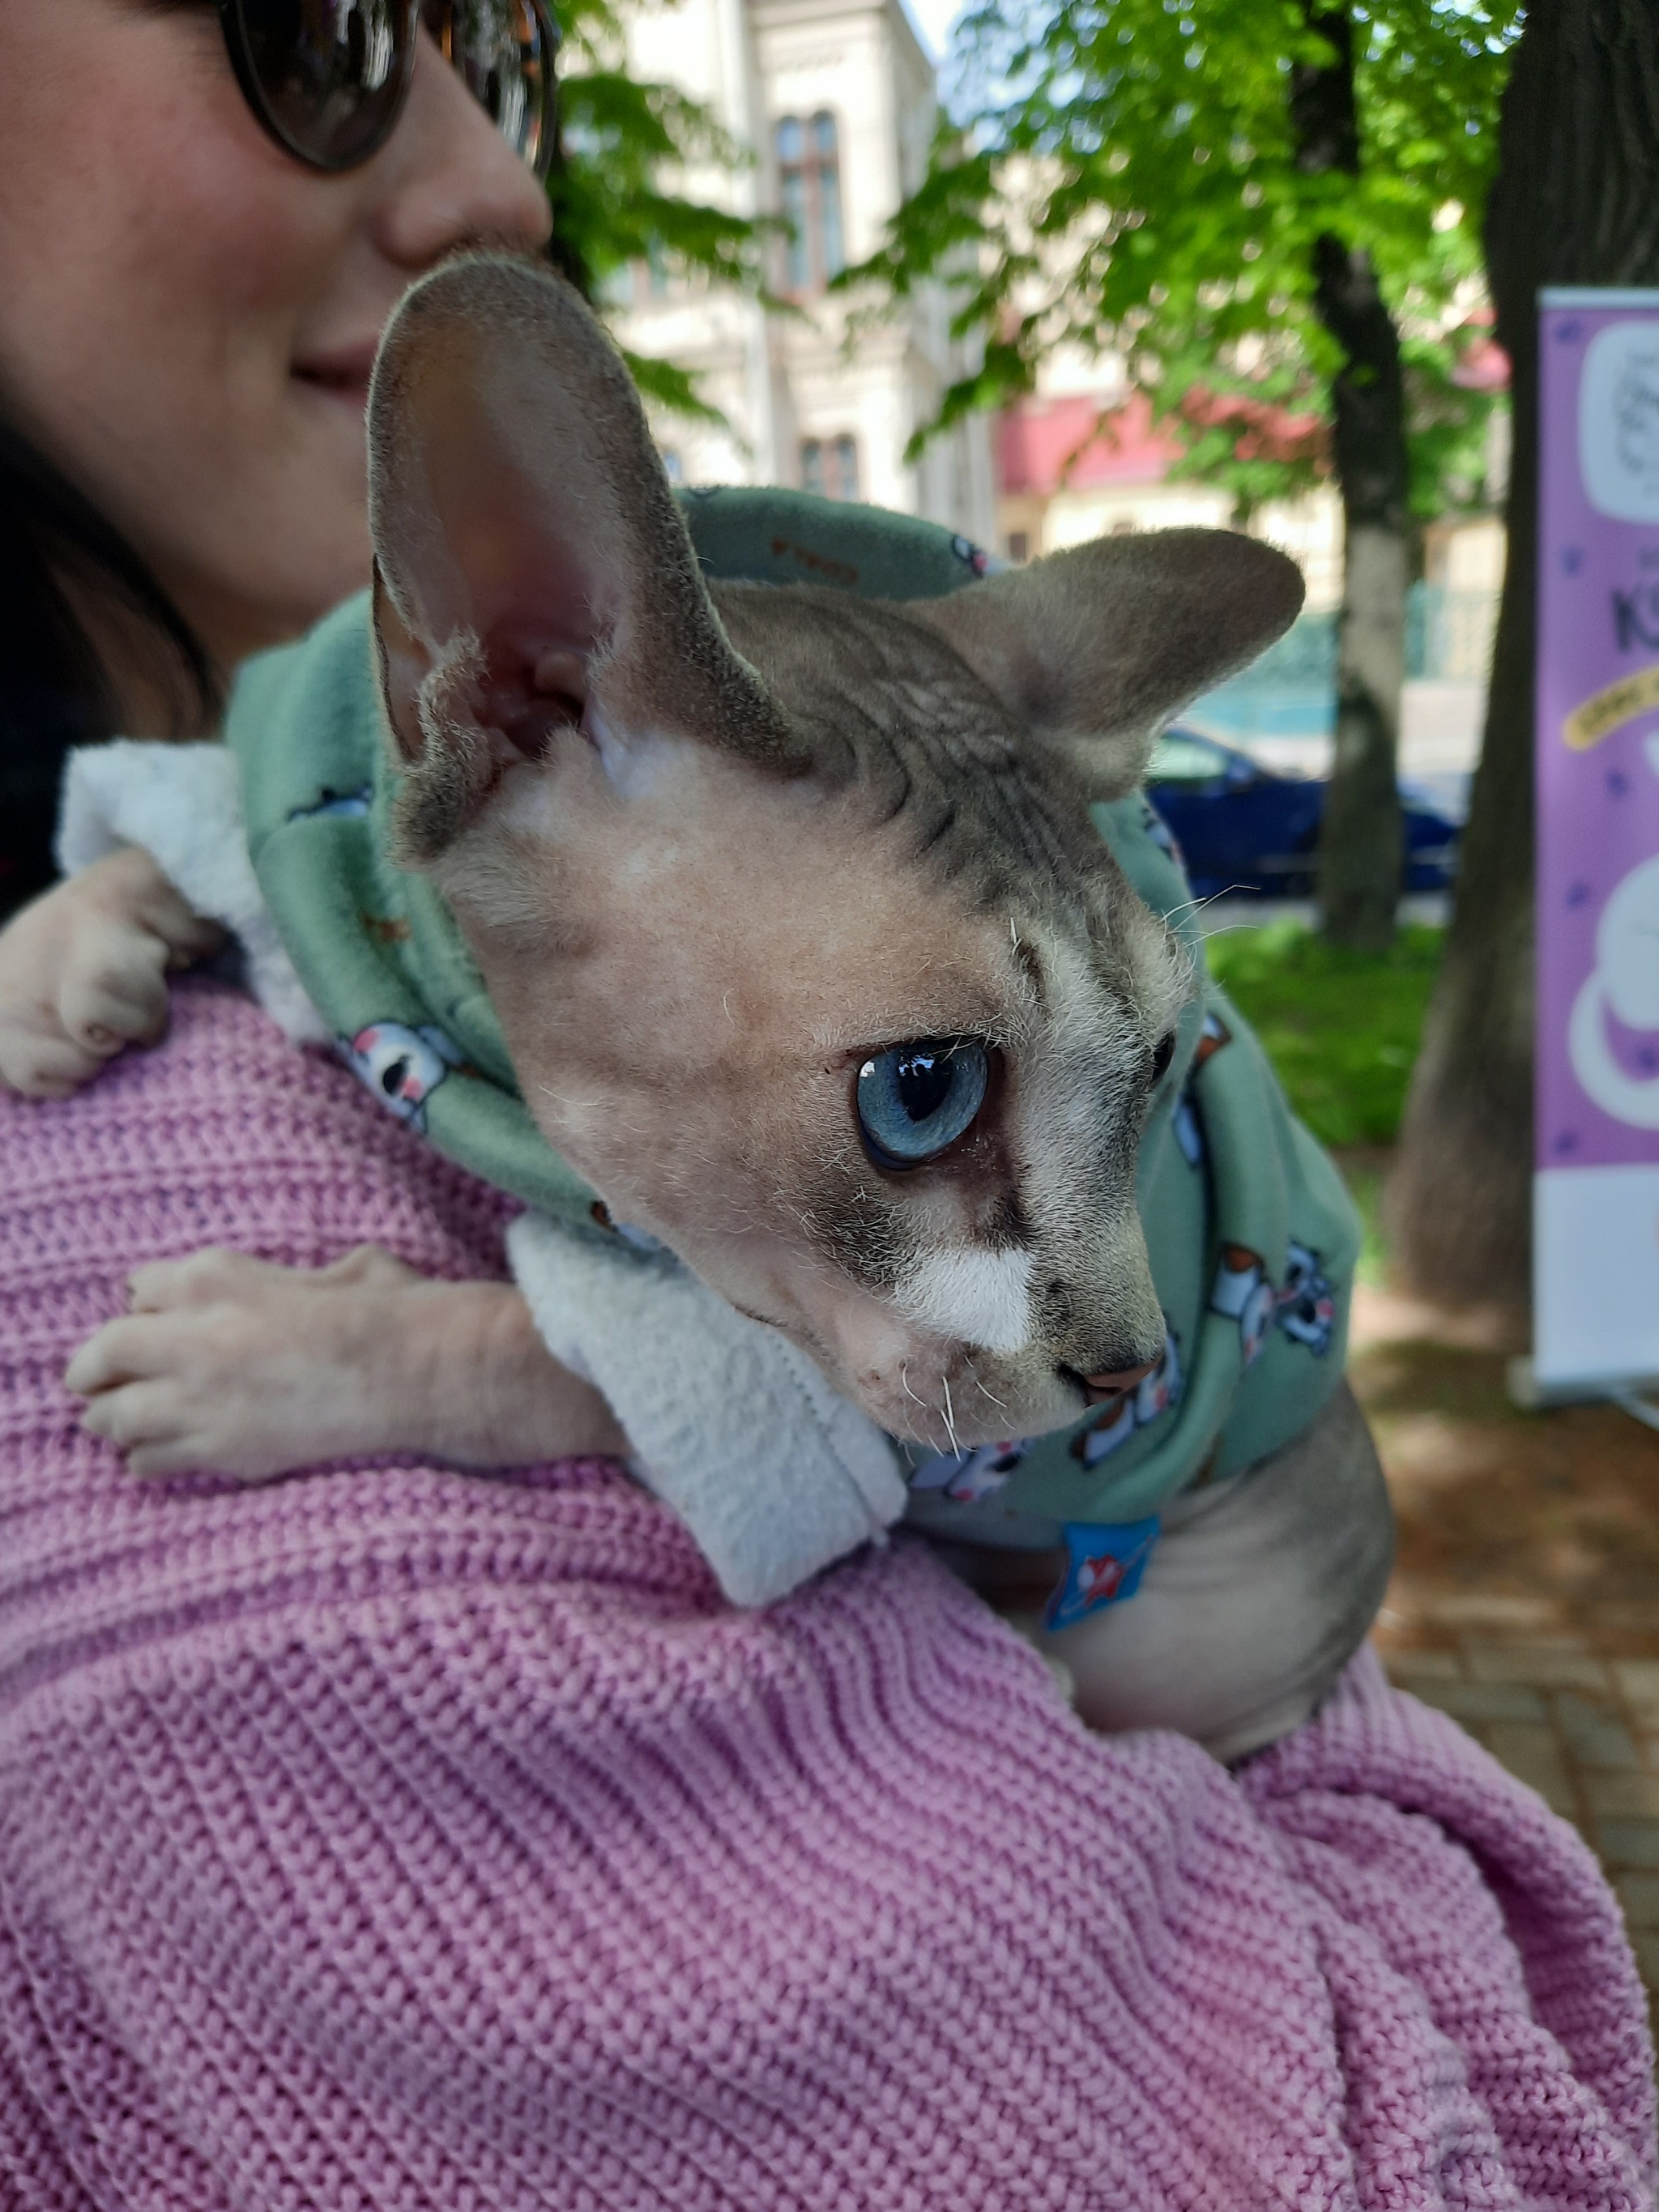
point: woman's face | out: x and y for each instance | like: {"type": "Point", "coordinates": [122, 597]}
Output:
{"type": "Point", "coordinates": [188, 315]}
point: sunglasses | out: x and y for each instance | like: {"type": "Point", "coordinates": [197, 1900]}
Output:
{"type": "Point", "coordinates": [328, 78]}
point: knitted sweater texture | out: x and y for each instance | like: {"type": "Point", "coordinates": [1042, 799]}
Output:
{"type": "Point", "coordinates": [390, 1837]}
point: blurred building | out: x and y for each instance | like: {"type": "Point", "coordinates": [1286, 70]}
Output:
{"type": "Point", "coordinates": [836, 100]}
{"type": "Point", "coordinates": [1082, 458]}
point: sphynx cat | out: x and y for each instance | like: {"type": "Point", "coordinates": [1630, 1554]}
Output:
{"type": "Point", "coordinates": [719, 854]}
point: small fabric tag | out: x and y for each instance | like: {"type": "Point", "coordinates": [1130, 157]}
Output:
{"type": "Point", "coordinates": [1107, 1560]}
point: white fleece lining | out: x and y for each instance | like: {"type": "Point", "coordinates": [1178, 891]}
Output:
{"type": "Point", "coordinates": [775, 1475]}
{"type": "Point", "coordinates": [183, 804]}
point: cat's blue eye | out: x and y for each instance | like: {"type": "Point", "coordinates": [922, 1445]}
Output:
{"type": "Point", "coordinates": [916, 1100]}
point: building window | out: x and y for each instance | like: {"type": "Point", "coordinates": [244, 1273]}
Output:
{"type": "Point", "coordinates": [830, 466]}
{"type": "Point", "coordinates": [1019, 547]}
{"type": "Point", "coordinates": [808, 181]}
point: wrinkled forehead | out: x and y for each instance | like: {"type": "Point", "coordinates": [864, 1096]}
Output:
{"type": "Point", "coordinates": [760, 916]}
{"type": "Point", "coordinates": [884, 705]}
{"type": "Point", "coordinates": [720, 886]}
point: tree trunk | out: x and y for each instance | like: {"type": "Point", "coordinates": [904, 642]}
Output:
{"type": "Point", "coordinates": [1360, 842]}
{"type": "Point", "coordinates": [1577, 185]}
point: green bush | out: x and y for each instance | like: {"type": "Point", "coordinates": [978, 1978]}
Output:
{"type": "Point", "coordinates": [1342, 1028]}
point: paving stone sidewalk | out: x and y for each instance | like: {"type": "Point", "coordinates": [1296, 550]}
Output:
{"type": "Point", "coordinates": [1525, 1600]}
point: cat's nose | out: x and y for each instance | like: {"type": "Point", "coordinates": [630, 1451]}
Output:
{"type": "Point", "coordinates": [1099, 1389]}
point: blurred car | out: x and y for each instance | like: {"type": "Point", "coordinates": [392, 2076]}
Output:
{"type": "Point", "coordinates": [1247, 829]}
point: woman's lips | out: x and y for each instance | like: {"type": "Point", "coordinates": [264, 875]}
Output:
{"type": "Point", "coordinates": [343, 375]}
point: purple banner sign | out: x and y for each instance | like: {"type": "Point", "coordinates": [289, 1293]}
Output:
{"type": "Point", "coordinates": [1596, 1206]}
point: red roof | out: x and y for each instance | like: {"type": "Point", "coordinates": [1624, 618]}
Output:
{"type": "Point", "coordinates": [1037, 439]}
{"type": "Point", "coordinates": [1043, 444]}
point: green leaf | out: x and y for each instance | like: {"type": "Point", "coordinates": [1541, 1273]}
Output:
{"type": "Point", "coordinates": [1110, 180]}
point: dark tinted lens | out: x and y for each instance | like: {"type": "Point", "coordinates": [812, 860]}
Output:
{"type": "Point", "coordinates": [328, 77]}
{"type": "Point", "coordinates": [503, 52]}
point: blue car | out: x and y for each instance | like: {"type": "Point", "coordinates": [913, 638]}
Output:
{"type": "Point", "coordinates": [1242, 827]}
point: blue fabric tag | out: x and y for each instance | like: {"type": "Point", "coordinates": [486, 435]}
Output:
{"type": "Point", "coordinates": [1107, 1561]}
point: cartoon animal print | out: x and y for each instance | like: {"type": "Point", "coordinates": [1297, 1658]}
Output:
{"type": "Point", "coordinates": [1214, 1034]}
{"type": "Point", "coordinates": [968, 1477]}
{"type": "Point", "coordinates": [1187, 1127]}
{"type": "Point", "coordinates": [1305, 1309]}
{"type": "Point", "coordinates": [1154, 1395]}
{"type": "Point", "coordinates": [1105, 1565]}
{"type": "Point", "coordinates": [402, 1066]}
{"type": "Point", "coordinates": [1307, 1304]}
{"type": "Point", "coordinates": [1241, 1291]}
{"type": "Point", "coordinates": [352, 803]}
{"type": "Point", "coordinates": [1189, 1130]}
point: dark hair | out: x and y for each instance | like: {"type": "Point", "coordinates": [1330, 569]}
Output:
{"type": "Point", "coordinates": [56, 549]}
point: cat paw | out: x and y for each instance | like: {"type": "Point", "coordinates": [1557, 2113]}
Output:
{"type": "Point", "coordinates": [231, 1365]}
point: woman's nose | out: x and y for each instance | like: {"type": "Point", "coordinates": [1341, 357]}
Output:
{"type": "Point", "coordinates": [451, 177]}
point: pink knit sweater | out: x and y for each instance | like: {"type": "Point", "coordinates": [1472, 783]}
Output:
{"type": "Point", "coordinates": [400, 1838]}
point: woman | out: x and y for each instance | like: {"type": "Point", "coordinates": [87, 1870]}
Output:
{"type": "Point", "coordinates": [182, 385]}
{"type": "Point", "coordinates": [189, 310]}
{"type": "Point", "coordinates": [407, 1840]}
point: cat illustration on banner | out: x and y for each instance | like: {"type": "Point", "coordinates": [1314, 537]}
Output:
{"type": "Point", "coordinates": [1624, 985]}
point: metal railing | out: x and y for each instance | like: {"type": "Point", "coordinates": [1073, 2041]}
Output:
{"type": "Point", "coordinates": [1290, 691]}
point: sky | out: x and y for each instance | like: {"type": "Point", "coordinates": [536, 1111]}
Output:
{"type": "Point", "coordinates": [933, 19]}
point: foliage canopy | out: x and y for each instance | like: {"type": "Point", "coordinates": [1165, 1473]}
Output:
{"type": "Point", "coordinates": [1128, 176]}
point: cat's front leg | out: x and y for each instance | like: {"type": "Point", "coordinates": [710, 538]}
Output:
{"type": "Point", "coordinates": [230, 1365]}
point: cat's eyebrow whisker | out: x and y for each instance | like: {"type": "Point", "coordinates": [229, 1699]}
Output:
{"type": "Point", "coordinates": [1193, 905]}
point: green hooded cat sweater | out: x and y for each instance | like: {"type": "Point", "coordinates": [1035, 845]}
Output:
{"type": "Point", "coordinates": [1252, 1238]}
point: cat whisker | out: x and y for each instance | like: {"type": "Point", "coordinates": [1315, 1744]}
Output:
{"type": "Point", "coordinates": [904, 1385]}
{"type": "Point", "coordinates": [1000, 1406]}
{"type": "Point", "coordinates": [950, 1417]}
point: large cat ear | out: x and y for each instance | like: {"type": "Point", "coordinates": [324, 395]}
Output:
{"type": "Point", "coordinates": [533, 575]}
{"type": "Point", "coordinates": [1097, 646]}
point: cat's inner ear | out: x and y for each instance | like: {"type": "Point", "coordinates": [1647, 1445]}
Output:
{"type": "Point", "coordinates": [533, 573]}
{"type": "Point", "coordinates": [1096, 647]}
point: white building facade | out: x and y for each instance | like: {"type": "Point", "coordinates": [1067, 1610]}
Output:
{"type": "Point", "coordinates": [835, 99]}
